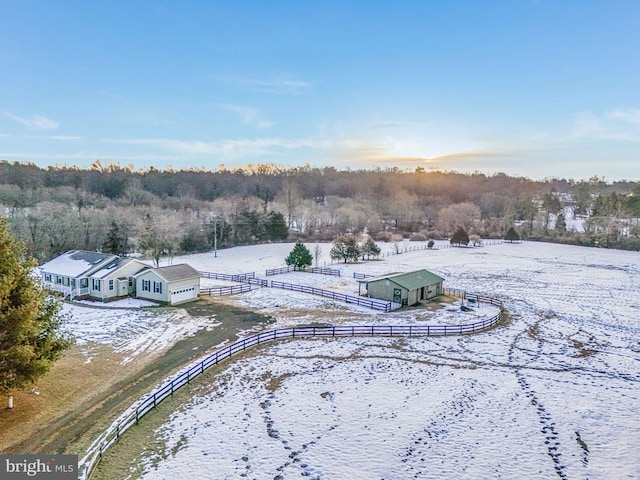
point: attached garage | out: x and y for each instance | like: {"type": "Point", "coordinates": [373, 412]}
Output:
{"type": "Point", "coordinates": [404, 288]}
{"type": "Point", "coordinates": [172, 285]}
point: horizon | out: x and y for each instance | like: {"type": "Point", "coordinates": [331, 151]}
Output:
{"type": "Point", "coordinates": [533, 88]}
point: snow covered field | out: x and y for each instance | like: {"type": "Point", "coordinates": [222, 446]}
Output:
{"type": "Point", "coordinates": [131, 331]}
{"type": "Point", "coordinates": [555, 393]}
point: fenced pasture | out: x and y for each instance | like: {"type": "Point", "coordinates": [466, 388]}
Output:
{"type": "Point", "coordinates": [138, 410]}
{"type": "Point", "coordinates": [372, 303]}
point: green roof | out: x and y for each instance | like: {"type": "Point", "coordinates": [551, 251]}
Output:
{"type": "Point", "coordinates": [410, 280]}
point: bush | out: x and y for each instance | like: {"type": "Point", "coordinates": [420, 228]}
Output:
{"type": "Point", "coordinates": [418, 237]}
{"type": "Point", "coordinates": [383, 236]}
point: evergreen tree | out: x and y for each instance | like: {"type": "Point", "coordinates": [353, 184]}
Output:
{"type": "Point", "coordinates": [277, 228]}
{"type": "Point", "coordinates": [300, 257]}
{"type": "Point", "coordinates": [459, 237]}
{"type": "Point", "coordinates": [561, 224]}
{"type": "Point", "coordinates": [30, 336]}
{"type": "Point", "coordinates": [512, 235]}
{"type": "Point", "coordinates": [117, 241]}
{"type": "Point", "coordinates": [370, 248]}
{"type": "Point", "coordinates": [345, 247]}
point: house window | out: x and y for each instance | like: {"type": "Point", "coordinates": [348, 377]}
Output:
{"type": "Point", "coordinates": [97, 284]}
{"type": "Point", "coordinates": [84, 283]}
{"type": "Point", "coordinates": [47, 277]}
{"type": "Point", "coordinates": [110, 284]}
{"type": "Point", "coordinates": [157, 287]}
{"type": "Point", "coordinates": [58, 280]}
{"type": "Point", "coordinates": [131, 281]}
{"type": "Point", "coordinates": [146, 285]}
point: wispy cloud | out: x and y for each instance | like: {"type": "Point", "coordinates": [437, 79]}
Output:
{"type": "Point", "coordinates": [631, 115]}
{"type": "Point", "coordinates": [226, 148]}
{"type": "Point", "coordinates": [34, 122]}
{"type": "Point", "coordinates": [248, 116]}
{"type": "Point", "coordinates": [618, 124]}
{"type": "Point", "coordinates": [65, 138]}
{"type": "Point", "coordinates": [280, 85]}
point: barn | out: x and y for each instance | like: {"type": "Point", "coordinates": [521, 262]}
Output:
{"type": "Point", "coordinates": [173, 285]}
{"type": "Point", "coordinates": [404, 288]}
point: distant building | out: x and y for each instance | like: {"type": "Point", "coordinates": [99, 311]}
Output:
{"type": "Point", "coordinates": [405, 288]}
{"type": "Point", "coordinates": [104, 276]}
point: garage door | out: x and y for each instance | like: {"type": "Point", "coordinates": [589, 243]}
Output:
{"type": "Point", "coordinates": [183, 293]}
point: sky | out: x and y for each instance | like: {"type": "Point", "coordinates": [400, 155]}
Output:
{"type": "Point", "coordinates": [534, 88]}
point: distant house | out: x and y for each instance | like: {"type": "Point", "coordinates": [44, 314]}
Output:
{"type": "Point", "coordinates": [103, 276]}
{"type": "Point", "coordinates": [404, 288]}
{"type": "Point", "coordinates": [173, 285]}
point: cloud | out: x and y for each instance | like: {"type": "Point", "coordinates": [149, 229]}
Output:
{"type": "Point", "coordinates": [35, 122]}
{"type": "Point", "coordinates": [226, 148]}
{"type": "Point", "coordinates": [619, 124]}
{"type": "Point", "coordinates": [64, 138]}
{"type": "Point", "coordinates": [248, 116]}
{"type": "Point", "coordinates": [630, 115]}
{"type": "Point", "coordinates": [279, 85]}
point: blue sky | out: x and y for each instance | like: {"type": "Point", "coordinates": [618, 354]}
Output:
{"type": "Point", "coordinates": [537, 88]}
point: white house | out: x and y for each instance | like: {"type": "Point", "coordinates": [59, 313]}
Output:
{"type": "Point", "coordinates": [104, 276]}
{"type": "Point", "coordinates": [69, 273]}
{"type": "Point", "coordinates": [173, 285]}
{"type": "Point", "coordinates": [115, 279]}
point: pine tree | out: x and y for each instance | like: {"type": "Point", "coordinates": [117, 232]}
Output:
{"type": "Point", "coordinates": [116, 241]}
{"type": "Point", "coordinates": [561, 224]}
{"type": "Point", "coordinates": [512, 235]}
{"type": "Point", "coordinates": [30, 336]}
{"type": "Point", "coordinates": [277, 228]}
{"type": "Point", "coordinates": [370, 248]}
{"type": "Point", "coordinates": [345, 247]}
{"type": "Point", "coordinates": [300, 257]}
{"type": "Point", "coordinates": [459, 237]}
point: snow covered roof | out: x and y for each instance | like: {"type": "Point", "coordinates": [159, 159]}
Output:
{"type": "Point", "coordinates": [410, 280]}
{"type": "Point", "coordinates": [174, 273]}
{"type": "Point", "coordinates": [114, 266]}
{"type": "Point", "coordinates": [77, 263]}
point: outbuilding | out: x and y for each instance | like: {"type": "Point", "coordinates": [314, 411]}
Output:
{"type": "Point", "coordinates": [172, 285]}
{"type": "Point", "coordinates": [404, 288]}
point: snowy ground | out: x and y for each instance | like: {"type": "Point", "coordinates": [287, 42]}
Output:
{"type": "Point", "coordinates": [553, 394]}
{"type": "Point", "coordinates": [131, 331]}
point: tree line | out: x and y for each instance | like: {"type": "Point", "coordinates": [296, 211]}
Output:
{"type": "Point", "coordinates": [165, 212]}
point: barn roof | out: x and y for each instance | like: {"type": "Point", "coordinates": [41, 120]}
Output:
{"type": "Point", "coordinates": [410, 280]}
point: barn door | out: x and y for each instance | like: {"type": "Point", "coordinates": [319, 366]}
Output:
{"type": "Point", "coordinates": [397, 295]}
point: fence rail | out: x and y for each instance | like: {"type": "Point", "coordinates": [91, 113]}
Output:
{"type": "Point", "coordinates": [279, 271]}
{"type": "Point", "coordinates": [473, 297]}
{"type": "Point", "coordinates": [325, 271]}
{"type": "Point", "coordinates": [229, 290]}
{"type": "Point", "coordinates": [133, 415]}
{"type": "Point", "coordinates": [241, 277]}
{"type": "Point", "coordinates": [361, 276]}
{"type": "Point", "coordinates": [372, 303]}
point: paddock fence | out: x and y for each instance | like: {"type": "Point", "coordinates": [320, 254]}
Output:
{"type": "Point", "coordinates": [322, 271]}
{"type": "Point", "coordinates": [229, 290]}
{"type": "Point", "coordinates": [361, 276]}
{"type": "Point", "coordinates": [473, 297]}
{"type": "Point", "coordinates": [241, 277]}
{"type": "Point", "coordinates": [371, 303]}
{"type": "Point", "coordinates": [133, 414]}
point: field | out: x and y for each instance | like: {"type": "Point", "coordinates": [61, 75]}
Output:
{"type": "Point", "coordinates": [552, 393]}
